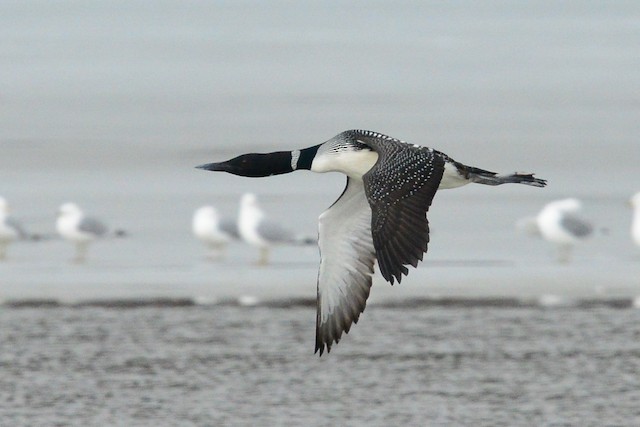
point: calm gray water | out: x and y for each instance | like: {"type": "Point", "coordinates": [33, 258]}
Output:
{"type": "Point", "coordinates": [419, 365]}
{"type": "Point", "coordinates": [112, 104]}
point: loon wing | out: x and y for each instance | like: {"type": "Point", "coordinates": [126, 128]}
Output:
{"type": "Point", "coordinates": [346, 265]}
{"type": "Point", "coordinates": [399, 189]}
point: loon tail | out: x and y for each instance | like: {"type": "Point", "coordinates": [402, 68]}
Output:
{"type": "Point", "coordinates": [482, 176]}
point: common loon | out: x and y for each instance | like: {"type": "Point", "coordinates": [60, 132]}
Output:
{"type": "Point", "coordinates": [381, 214]}
{"type": "Point", "coordinates": [560, 223]}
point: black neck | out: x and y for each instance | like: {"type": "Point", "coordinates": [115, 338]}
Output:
{"type": "Point", "coordinates": [306, 157]}
{"type": "Point", "coordinates": [259, 165]}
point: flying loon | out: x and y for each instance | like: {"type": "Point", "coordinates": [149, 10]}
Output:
{"type": "Point", "coordinates": [381, 214]}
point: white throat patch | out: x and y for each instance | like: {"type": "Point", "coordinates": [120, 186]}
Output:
{"type": "Point", "coordinates": [295, 156]}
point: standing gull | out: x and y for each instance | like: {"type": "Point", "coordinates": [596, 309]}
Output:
{"type": "Point", "coordinates": [381, 214]}
{"type": "Point", "coordinates": [258, 230]}
{"type": "Point", "coordinates": [10, 229]}
{"type": "Point", "coordinates": [73, 225]}
{"type": "Point", "coordinates": [635, 222]}
{"type": "Point", "coordinates": [213, 230]}
{"type": "Point", "coordinates": [560, 223]}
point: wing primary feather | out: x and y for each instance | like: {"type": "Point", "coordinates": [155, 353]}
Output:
{"type": "Point", "coordinates": [395, 252]}
{"type": "Point", "coordinates": [384, 264]}
{"type": "Point", "coordinates": [405, 244]}
{"type": "Point", "coordinates": [400, 188]}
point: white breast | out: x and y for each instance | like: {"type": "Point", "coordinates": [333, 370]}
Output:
{"type": "Point", "coordinates": [205, 226]}
{"type": "Point", "coordinates": [354, 164]}
{"type": "Point", "coordinates": [635, 227]}
{"type": "Point", "coordinates": [451, 178]}
{"type": "Point", "coordinates": [67, 227]}
{"type": "Point", "coordinates": [248, 221]}
{"type": "Point", "coordinates": [550, 228]}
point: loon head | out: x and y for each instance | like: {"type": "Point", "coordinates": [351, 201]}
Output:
{"type": "Point", "coordinates": [253, 165]}
{"type": "Point", "coordinates": [257, 165]}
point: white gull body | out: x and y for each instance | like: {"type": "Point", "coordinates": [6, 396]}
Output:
{"type": "Point", "coordinates": [635, 221]}
{"type": "Point", "coordinates": [560, 222]}
{"type": "Point", "coordinates": [259, 231]}
{"type": "Point", "coordinates": [213, 230]}
{"type": "Point", "coordinates": [10, 229]}
{"type": "Point", "coordinates": [73, 225]}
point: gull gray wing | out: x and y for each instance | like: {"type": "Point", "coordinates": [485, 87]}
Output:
{"type": "Point", "coordinates": [274, 232]}
{"type": "Point", "coordinates": [347, 256]}
{"type": "Point", "coordinates": [92, 226]}
{"type": "Point", "coordinates": [230, 226]}
{"type": "Point", "coordinates": [576, 225]}
{"type": "Point", "coordinates": [400, 188]}
{"type": "Point", "coordinates": [16, 226]}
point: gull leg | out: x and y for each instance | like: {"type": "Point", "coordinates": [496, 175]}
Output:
{"type": "Point", "coordinates": [564, 254]}
{"type": "Point", "coordinates": [264, 256]}
{"type": "Point", "coordinates": [215, 252]}
{"type": "Point", "coordinates": [81, 252]}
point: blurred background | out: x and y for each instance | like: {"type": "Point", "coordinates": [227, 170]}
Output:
{"type": "Point", "coordinates": [111, 105]}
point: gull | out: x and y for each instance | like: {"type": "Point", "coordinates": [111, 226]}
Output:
{"type": "Point", "coordinates": [381, 214]}
{"type": "Point", "coordinates": [73, 225]}
{"type": "Point", "coordinates": [635, 223]}
{"type": "Point", "coordinates": [213, 230]}
{"type": "Point", "coordinates": [560, 223]}
{"type": "Point", "coordinates": [258, 230]}
{"type": "Point", "coordinates": [10, 229]}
